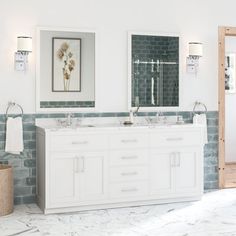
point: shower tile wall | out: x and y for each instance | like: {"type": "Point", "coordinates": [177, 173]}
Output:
{"type": "Point", "coordinates": [146, 48]}
{"type": "Point", "coordinates": [25, 164]}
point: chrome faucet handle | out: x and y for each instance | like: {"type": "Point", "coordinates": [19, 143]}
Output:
{"type": "Point", "coordinates": [160, 113]}
{"type": "Point", "coordinates": [148, 119]}
{"type": "Point", "coordinates": [70, 115]}
{"type": "Point", "coordinates": [69, 119]}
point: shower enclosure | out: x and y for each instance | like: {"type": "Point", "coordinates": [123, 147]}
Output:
{"type": "Point", "coordinates": [155, 71]}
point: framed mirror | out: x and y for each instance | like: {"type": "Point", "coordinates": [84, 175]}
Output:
{"type": "Point", "coordinates": [153, 73]}
{"type": "Point", "coordinates": [65, 70]}
{"type": "Point", "coordinates": [226, 106]}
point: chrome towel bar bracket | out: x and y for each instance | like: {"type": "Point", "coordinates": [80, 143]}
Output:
{"type": "Point", "coordinates": [199, 104]}
{"type": "Point", "coordinates": [12, 105]}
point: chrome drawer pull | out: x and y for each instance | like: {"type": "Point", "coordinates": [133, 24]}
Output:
{"type": "Point", "coordinates": [129, 190]}
{"type": "Point", "coordinates": [129, 173]}
{"type": "Point", "coordinates": [129, 157]}
{"type": "Point", "coordinates": [174, 139]}
{"type": "Point", "coordinates": [82, 142]}
{"type": "Point", "coordinates": [129, 140]}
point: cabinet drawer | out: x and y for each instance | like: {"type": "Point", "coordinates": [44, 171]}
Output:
{"type": "Point", "coordinates": [128, 140]}
{"type": "Point", "coordinates": [175, 139]}
{"type": "Point", "coordinates": [78, 142]}
{"type": "Point", "coordinates": [123, 174]}
{"type": "Point", "coordinates": [123, 190]}
{"type": "Point", "coordinates": [128, 157]}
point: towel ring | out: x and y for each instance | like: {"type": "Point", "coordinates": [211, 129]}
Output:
{"type": "Point", "coordinates": [196, 104]}
{"type": "Point", "coordinates": [11, 105]}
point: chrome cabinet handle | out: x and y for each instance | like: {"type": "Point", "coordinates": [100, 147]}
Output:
{"type": "Point", "coordinates": [129, 157]}
{"type": "Point", "coordinates": [175, 159]}
{"type": "Point", "coordinates": [178, 155]}
{"type": "Point", "coordinates": [82, 168]}
{"type": "Point", "coordinates": [76, 165]}
{"type": "Point", "coordinates": [79, 164]}
{"type": "Point", "coordinates": [129, 140]}
{"type": "Point", "coordinates": [172, 159]}
{"type": "Point", "coordinates": [127, 190]}
{"type": "Point", "coordinates": [174, 139]}
{"type": "Point", "coordinates": [128, 173]}
{"type": "Point", "coordinates": [82, 142]}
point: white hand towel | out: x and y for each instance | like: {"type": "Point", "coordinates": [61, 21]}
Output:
{"type": "Point", "coordinates": [14, 135]}
{"type": "Point", "coordinates": [201, 119]}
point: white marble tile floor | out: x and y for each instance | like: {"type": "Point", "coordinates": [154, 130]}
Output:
{"type": "Point", "coordinates": [214, 215]}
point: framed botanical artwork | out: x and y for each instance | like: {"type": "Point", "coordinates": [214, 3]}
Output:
{"type": "Point", "coordinates": [230, 73]}
{"type": "Point", "coordinates": [66, 64]}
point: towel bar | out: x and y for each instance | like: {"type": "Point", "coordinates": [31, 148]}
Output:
{"type": "Point", "coordinates": [13, 104]}
{"type": "Point", "coordinates": [196, 104]}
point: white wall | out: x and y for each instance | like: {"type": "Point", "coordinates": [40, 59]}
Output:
{"type": "Point", "coordinates": [194, 20]}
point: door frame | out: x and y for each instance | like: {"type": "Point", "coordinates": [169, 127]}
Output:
{"type": "Point", "coordinates": [222, 32]}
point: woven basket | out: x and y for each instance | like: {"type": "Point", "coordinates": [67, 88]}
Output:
{"type": "Point", "coordinates": [6, 190]}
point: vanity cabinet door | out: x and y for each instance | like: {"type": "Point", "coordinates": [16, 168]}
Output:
{"type": "Point", "coordinates": [176, 173]}
{"type": "Point", "coordinates": [62, 178]}
{"type": "Point", "coordinates": [161, 173]}
{"type": "Point", "coordinates": [188, 171]}
{"type": "Point", "coordinates": [92, 176]}
{"type": "Point", "coordinates": [77, 177]}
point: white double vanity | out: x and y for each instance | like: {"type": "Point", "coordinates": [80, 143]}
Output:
{"type": "Point", "coordinates": [96, 165]}
{"type": "Point", "coordinates": [100, 163]}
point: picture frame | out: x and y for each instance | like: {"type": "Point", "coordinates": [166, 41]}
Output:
{"type": "Point", "coordinates": [66, 64]}
{"type": "Point", "coordinates": [230, 73]}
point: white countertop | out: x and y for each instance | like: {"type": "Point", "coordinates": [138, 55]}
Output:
{"type": "Point", "coordinates": [53, 124]}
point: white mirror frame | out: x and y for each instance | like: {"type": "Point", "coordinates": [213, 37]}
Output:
{"type": "Point", "coordinates": [150, 109]}
{"type": "Point", "coordinates": [37, 87]}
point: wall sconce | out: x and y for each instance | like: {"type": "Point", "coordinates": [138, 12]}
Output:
{"type": "Point", "coordinates": [24, 47]}
{"type": "Point", "coordinates": [195, 52]}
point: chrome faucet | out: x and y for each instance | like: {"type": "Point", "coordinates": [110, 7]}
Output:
{"type": "Point", "coordinates": [135, 112]}
{"type": "Point", "coordinates": [69, 119]}
{"type": "Point", "coordinates": [158, 115]}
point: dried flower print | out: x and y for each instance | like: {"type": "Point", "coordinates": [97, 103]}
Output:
{"type": "Point", "coordinates": [65, 55]}
{"type": "Point", "coordinates": [64, 47]}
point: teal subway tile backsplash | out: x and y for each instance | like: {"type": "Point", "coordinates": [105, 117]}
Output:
{"type": "Point", "coordinates": [68, 104]}
{"type": "Point", "coordinates": [25, 164]}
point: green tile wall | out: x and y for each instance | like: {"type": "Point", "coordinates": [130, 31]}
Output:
{"type": "Point", "coordinates": [165, 49]}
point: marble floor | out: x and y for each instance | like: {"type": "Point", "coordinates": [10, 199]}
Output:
{"type": "Point", "coordinates": [214, 215]}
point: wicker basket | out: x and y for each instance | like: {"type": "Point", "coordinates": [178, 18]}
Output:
{"type": "Point", "coordinates": [6, 190]}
